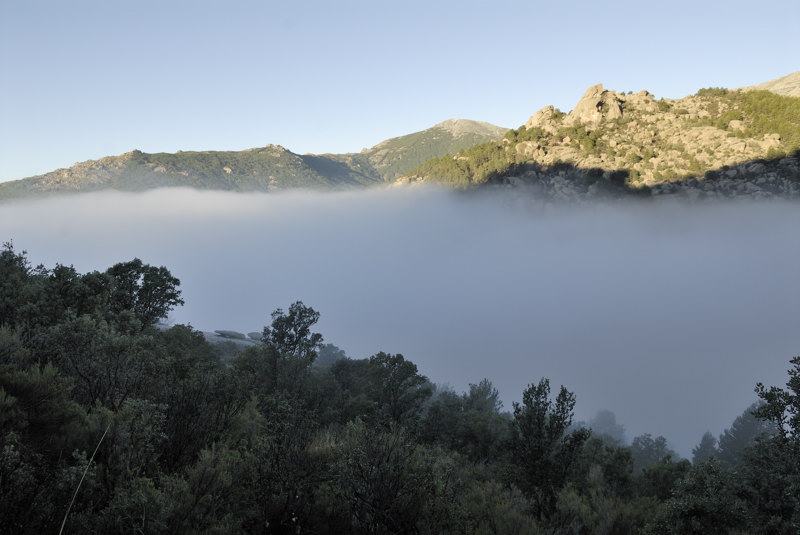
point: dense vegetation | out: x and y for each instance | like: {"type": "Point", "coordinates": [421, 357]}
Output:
{"type": "Point", "coordinates": [762, 112]}
{"type": "Point", "coordinates": [395, 157]}
{"type": "Point", "coordinates": [109, 424]}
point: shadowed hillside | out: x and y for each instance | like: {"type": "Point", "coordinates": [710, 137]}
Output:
{"type": "Point", "coordinates": [761, 179]}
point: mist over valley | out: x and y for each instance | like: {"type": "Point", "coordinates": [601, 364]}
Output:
{"type": "Point", "coordinates": [665, 313]}
{"type": "Point", "coordinates": [362, 268]}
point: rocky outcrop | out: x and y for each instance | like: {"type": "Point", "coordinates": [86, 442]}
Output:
{"type": "Point", "coordinates": [596, 105]}
{"type": "Point", "coordinates": [548, 119]}
{"type": "Point", "coordinates": [657, 146]}
{"type": "Point", "coordinates": [655, 140]}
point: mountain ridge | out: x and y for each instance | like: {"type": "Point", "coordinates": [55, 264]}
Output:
{"type": "Point", "coordinates": [651, 142]}
{"type": "Point", "coordinates": [267, 168]}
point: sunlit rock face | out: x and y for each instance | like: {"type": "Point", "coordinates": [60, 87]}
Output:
{"type": "Point", "coordinates": [597, 104]}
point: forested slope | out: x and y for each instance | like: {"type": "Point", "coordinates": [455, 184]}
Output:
{"type": "Point", "coordinates": [110, 425]}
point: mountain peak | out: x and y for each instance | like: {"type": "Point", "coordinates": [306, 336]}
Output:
{"type": "Point", "coordinates": [461, 127]}
{"type": "Point", "coordinates": [595, 105]}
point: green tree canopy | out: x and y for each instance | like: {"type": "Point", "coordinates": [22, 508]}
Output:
{"type": "Point", "coordinates": [705, 450]}
{"type": "Point", "coordinates": [540, 449]}
{"type": "Point", "coordinates": [149, 292]}
{"type": "Point", "coordinates": [397, 387]}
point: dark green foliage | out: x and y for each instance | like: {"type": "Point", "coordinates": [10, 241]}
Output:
{"type": "Point", "coordinates": [658, 480]}
{"type": "Point", "coordinates": [705, 450]}
{"type": "Point", "coordinates": [712, 92]}
{"type": "Point", "coordinates": [18, 292]}
{"type": "Point", "coordinates": [540, 449]}
{"type": "Point", "coordinates": [278, 369]}
{"type": "Point", "coordinates": [526, 134]}
{"type": "Point", "coordinates": [761, 112]}
{"type": "Point", "coordinates": [388, 484]}
{"type": "Point", "coordinates": [648, 451]}
{"type": "Point", "coordinates": [767, 482]}
{"type": "Point", "coordinates": [614, 463]}
{"type": "Point", "coordinates": [398, 390]}
{"type": "Point", "coordinates": [771, 468]}
{"type": "Point", "coordinates": [354, 389]}
{"type": "Point", "coordinates": [781, 406]}
{"type": "Point", "coordinates": [727, 117]}
{"type": "Point", "coordinates": [491, 508]}
{"type": "Point", "coordinates": [742, 434]}
{"type": "Point", "coordinates": [200, 396]}
{"type": "Point", "coordinates": [37, 407]}
{"type": "Point", "coordinates": [286, 467]}
{"type": "Point", "coordinates": [181, 442]}
{"type": "Point", "coordinates": [469, 423]}
{"type": "Point", "coordinates": [475, 165]}
{"type": "Point", "coordinates": [149, 292]}
{"type": "Point", "coordinates": [581, 136]}
{"type": "Point", "coordinates": [108, 364]}
{"type": "Point", "coordinates": [128, 293]}
{"type": "Point", "coordinates": [290, 333]}
{"type": "Point", "coordinates": [704, 503]}
{"type": "Point", "coordinates": [328, 354]}
{"type": "Point", "coordinates": [767, 113]}
{"type": "Point", "coordinates": [599, 496]}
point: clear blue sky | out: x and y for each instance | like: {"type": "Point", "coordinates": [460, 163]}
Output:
{"type": "Point", "coordinates": [83, 79]}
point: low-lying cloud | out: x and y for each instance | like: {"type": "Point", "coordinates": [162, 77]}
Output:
{"type": "Point", "coordinates": [666, 314]}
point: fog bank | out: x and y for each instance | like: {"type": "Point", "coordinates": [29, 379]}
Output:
{"type": "Point", "coordinates": [666, 314]}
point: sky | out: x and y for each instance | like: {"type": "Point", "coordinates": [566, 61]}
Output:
{"type": "Point", "coordinates": [84, 79]}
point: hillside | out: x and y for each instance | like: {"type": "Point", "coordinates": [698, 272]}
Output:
{"type": "Point", "coordinates": [644, 141]}
{"type": "Point", "coordinates": [397, 156]}
{"type": "Point", "coordinates": [267, 168]}
{"type": "Point", "coordinates": [264, 169]}
{"type": "Point", "coordinates": [788, 85]}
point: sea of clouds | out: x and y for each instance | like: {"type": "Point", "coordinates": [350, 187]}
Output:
{"type": "Point", "coordinates": [666, 314]}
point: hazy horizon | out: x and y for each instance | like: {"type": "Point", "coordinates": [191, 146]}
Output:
{"type": "Point", "coordinates": [667, 314]}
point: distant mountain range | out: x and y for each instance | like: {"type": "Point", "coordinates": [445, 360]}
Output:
{"type": "Point", "coordinates": [267, 168]}
{"type": "Point", "coordinates": [725, 140]}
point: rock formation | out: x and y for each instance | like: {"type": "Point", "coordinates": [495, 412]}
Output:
{"type": "Point", "coordinates": [596, 105]}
